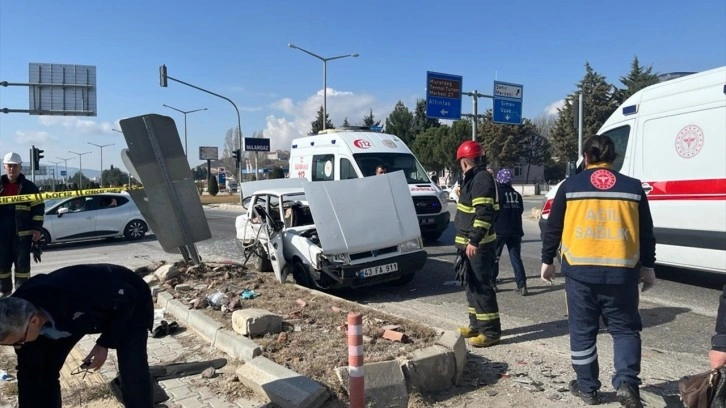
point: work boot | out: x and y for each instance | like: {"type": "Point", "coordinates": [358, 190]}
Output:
{"type": "Point", "coordinates": [629, 396]}
{"type": "Point", "coordinates": [523, 291]}
{"type": "Point", "coordinates": [483, 341]}
{"type": "Point", "coordinates": [467, 332]}
{"type": "Point", "coordinates": [494, 286]}
{"type": "Point", "coordinates": [590, 398]}
{"type": "Point", "coordinates": [19, 281]}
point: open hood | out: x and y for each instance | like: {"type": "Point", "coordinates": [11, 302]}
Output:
{"type": "Point", "coordinates": [362, 214]}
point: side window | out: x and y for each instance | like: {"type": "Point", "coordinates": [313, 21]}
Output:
{"type": "Point", "coordinates": [323, 168]}
{"type": "Point", "coordinates": [347, 171]}
{"type": "Point", "coordinates": [620, 137]}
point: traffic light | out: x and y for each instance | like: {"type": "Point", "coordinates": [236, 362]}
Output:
{"type": "Point", "coordinates": [162, 76]}
{"type": "Point", "coordinates": [37, 155]}
{"type": "Point", "coordinates": [237, 157]}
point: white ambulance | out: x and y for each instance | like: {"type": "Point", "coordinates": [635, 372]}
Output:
{"type": "Point", "coordinates": [672, 137]}
{"type": "Point", "coordinates": [350, 152]}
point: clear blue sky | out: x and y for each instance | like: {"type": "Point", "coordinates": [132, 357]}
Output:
{"type": "Point", "coordinates": [239, 49]}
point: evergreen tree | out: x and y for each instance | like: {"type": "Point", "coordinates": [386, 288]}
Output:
{"type": "Point", "coordinates": [427, 147]}
{"type": "Point", "coordinates": [400, 123]}
{"type": "Point", "coordinates": [115, 177]}
{"type": "Point", "coordinates": [345, 122]}
{"type": "Point", "coordinates": [317, 124]}
{"type": "Point", "coordinates": [638, 78]}
{"type": "Point", "coordinates": [421, 121]}
{"type": "Point", "coordinates": [370, 121]}
{"type": "Point", "coordinates": [213, 185]}
{"type": "Point", "coordinates": [535, 147]}
{"type": "Point", "coordinates": [277, 172]}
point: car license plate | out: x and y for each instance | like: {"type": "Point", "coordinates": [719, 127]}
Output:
{"type": "Point", "coordinates": [378, 270]}
{"type": "Point", "coordinates": [427, 221]}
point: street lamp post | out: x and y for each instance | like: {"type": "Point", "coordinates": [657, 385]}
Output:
{"type": "Point", "coordinates": [101, 146]}
{"type": "Point", "coordinates": [325, 76]}
{"type": "Point", "coordinates": [66, 161]}
{"type": "Point", "coordinates": [80, 168]}
{"type": "Point", "coordinates": [131, 178]}
{"type": "Point", "coordinates": [55, 174]}
{"type": "Point", "coordinates": [185, 113]}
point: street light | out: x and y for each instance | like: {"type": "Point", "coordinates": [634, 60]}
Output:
{"type": "Point", "coordinates": [101, 146]}
{"type": "Point", "coordinates": [80, 168]}
{"type": "Point", "coordinates": [325, 76]}
{"type": "Point", "coordinates": [186, 152]}
{"type": "Point", "coordinates": [55, 174]}
{"type": "Point", "coordinates": [65, 160]}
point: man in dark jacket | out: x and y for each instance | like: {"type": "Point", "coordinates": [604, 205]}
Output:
{"type": "Point", "coordinates": [717, 355]}
{"type": "Point", "coordinates": [20, 225]}
{"type": "Point", "coordinates": [509, 229]}
{"type": "Point", "coordinates": [49, 314]}
{"type": "Point", "coordinates": [475, 241]}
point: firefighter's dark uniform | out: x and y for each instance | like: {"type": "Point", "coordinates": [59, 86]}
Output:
{"type": "Point", "coordinates": [85, 299]}
{"type": "Point", "coordinates": [17, 222]}
{"type": "Point", "coordinates": [603, 221]}
{"type": "Point", "coordinates": [476, 213]}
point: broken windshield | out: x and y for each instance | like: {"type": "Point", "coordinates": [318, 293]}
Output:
{"type": "Point", "coordinates": [367, 162]}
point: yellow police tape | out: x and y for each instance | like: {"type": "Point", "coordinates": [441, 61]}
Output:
{"type": "Point", "coordinates": [27, 198]}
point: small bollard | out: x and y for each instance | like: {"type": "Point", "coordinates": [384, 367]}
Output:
{"type": "Point", "coordinates": [356, 374]}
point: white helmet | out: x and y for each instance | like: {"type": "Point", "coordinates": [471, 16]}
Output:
{"type": "Point", "coordinates": [12, 158]}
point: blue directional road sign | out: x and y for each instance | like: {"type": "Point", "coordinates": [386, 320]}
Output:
{"type": "Point", "coordinates": [507, 108]}
{"type": "Point", "coordinates": [443, 96]}
{"type": "Point", "coordinates": [63, 173]}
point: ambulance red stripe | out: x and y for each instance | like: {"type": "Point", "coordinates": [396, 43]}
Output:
{"type": "Point", "coordinates": [704, 189]}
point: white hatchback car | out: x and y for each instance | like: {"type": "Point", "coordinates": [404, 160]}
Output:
{"type": "Point", "coordinates": [105, 215]}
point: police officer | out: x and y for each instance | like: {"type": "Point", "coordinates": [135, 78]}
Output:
{"type": "Point", "coordinates": [602, 219]}
{"type": "Point", "coordinates": [20, 224]}
{"type": "Point", "coordinates": [475, 241]}
{"type": "Point", "coordinates": [50, 313]}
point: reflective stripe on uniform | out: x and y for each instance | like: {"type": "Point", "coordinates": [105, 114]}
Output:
{"type": "Point", "coordinates": [577, 356]}
{"type": "Point", "coordinates": [22, 275]}
{"type": "Point", "coordinates": [603, 194]}
{"type": "Point", "coordinates": [482, 224]}
{"type": "Point", "coordinates": [465, 208]}
{"type": "Point", "coordinates": [487, 316]}
{"type": "Point", "coordinates": [464, 240]}
{"type": "Point", "coordinates": [471, 310]}
{"type": "Point", "coordinates": [38, 218]}
{"type": "Point", "coordinates": [585, 260]}
{"type": "Point", "coordinates": [482, 201]}
{"type": "Point", "coordinates": [22, 207]}
{"type": "Point", "coordinates": [25, 233]}
{"type": "Point", "coordinates": [5, 275]}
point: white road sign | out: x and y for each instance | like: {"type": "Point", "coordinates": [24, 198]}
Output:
{"type": "Point", "coordinates": [506, 90]}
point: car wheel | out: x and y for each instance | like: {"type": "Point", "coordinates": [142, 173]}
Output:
{"type": "Point", "coordinates": [301, 274]}
{"type": "Point", "coordinates": [431, 236]}
{"type": "Point", "coordinates": [44, 239]}
{"type": "Point", "coordinates": [135, 230]}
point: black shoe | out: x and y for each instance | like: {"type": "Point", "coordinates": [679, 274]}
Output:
{"type": "Point", "coordinates": [494, 287]}
{"type": "Point", "coordinates": [523, 291]}
{"type": "Point", "coordinates": [629, 396]}
{"type": "Point", "coordinates": [590, 398]}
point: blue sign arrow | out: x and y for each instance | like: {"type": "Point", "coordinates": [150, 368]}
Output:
{"type": "Point", "coordinates": [443, 96]}
{"type": "Point", "coordinates": [507, 107]}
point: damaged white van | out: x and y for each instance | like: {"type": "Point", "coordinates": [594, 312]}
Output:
{"type": "Point", "coordinates": [353, 152]}
{"type": "Point", "coordinates": [333, 235]}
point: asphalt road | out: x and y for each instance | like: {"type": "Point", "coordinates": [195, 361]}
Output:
{"type": "Point", "coordinates": [678, 314]}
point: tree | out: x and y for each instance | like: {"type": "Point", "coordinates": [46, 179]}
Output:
{"type": "Point", "coordinates": [370, 121]}
{"type": "Point", "coordinates": [231, 143]}
{"type": "Point", "coordinates": [400, 123]}
{"type": "Point", "coordinates": [317, 124]}
{"type": "Point", "coordinates": [213, 186]}
{"type": "Point", "coordinates": [85, 180]}
{"type": "Point", "coordinates": [345, 122]}
{"type": "Point", "coordinates": [200, 172]}
{"type": "Point", "coordinates": [421, 121]}
{"type": "Point", "coordinates": [502, 143]}
{"type": "Point", "coordinates": [277, 173]}
{"type": "Point", "coordinates": [427, 148]}
{"type": "Point", "coordinates": [115, 177]}
{"type": "Point", "coordinates": [638, 78]}
{"type": "Point", "coordinates": [536, 148]}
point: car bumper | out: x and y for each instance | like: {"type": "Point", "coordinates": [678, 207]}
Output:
{"type": "Point", "coordinates": [434, 222]}
{"type": "Point", "coordinates": [407, 263]}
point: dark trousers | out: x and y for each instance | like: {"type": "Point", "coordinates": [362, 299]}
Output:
{"type": "Point", "coordinates": [514, 246]}
{"type": "Point", "coordinates": [40, 362]}
{"type": "Point", "coordinates": [483, 308]}
{"type": "Point", "coordinates": [618, 306]}
{"type": "Point", "coordinates": [14, 250]}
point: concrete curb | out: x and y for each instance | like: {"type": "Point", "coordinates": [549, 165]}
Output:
{"type": "Point", "coordinates": [289, 389]}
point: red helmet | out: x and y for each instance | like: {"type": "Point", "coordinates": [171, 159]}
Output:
{"type": "Point", "coordinates": [469, 149]}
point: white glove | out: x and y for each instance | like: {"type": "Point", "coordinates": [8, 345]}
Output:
{"type": "Point", "coordinates": [647, 276]}
{"type": "Point", "coordinates": [547, 272]}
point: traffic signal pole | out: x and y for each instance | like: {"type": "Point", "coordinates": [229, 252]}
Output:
{"type": "Point", "coordinates": [475, 115]}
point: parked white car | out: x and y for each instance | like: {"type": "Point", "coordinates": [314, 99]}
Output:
{"type": "Point", "coordinates": [368, 231]}
{"type": "Point", "coordinates": [105, 215]}
{"type": "Point", "coordinates": [452, 192]}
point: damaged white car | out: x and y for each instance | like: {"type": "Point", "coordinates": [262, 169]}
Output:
{"type": "Point", "coordinates": [332, 234]}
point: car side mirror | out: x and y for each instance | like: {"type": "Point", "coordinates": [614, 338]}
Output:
{"type": "Point", "coordinates": [62, 211]}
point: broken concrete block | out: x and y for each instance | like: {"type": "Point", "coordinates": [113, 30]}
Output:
{"type": "Point", "coordinates": [454, 341]}
{"type": "Point", "coordinates": [183, 287]}
{"type": "Point", "coordinates": [255, 322]}
{"type": "Point", "coordinates": [431, 369]}
{"type": "Point", "coordinates": [166, 272]}
{"type": "Point", "coordinates": [282, 386]}
{"type": "Point", "coordinates": [151, 280]}
{"type": "Point", "coordinates": [395, 336]}
{"type": "Point", "coordinates": [385, 385]}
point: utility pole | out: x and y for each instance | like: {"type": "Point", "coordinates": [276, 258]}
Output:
{"type": "Point", "coordinates": [80, 168]}
{"type": "Point", "coordinates": [64, 177]}
{"type": "Point", "coordinates": [101, 146]}
{"type": "Point", "coordinates": [475, 95]}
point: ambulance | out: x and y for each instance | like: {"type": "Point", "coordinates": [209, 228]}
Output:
{"type": "Point", "coordinates": [353, 152]}
{"type": "Point", "coordinates": [672, 137]}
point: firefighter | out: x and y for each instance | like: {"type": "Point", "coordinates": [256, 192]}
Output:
{"type": "Point", "coordinates": [603, 222]}
{"type": "Point", "coordinates": [475, 241]}
{"type": "Point", "coordinates": [20, 225]}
